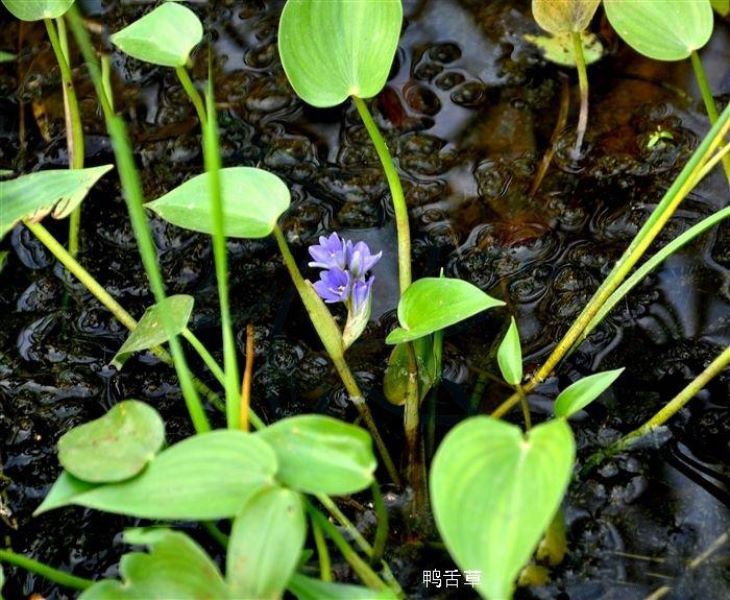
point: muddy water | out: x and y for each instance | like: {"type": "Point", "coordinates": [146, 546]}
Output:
{"type": "Point", "coordinates": [469, 111]}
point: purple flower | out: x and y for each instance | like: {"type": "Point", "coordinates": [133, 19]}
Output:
{"type": "Point", "coordinates": [361, 295]}
{"type": "Point", "coordinates": [333, 285]}
{"type": "Point", "coordinates": [361, 260]}
{"type": "Point", "coordinates": [331, 252]}
{"type": "Point", "coordinates": [344, 279]}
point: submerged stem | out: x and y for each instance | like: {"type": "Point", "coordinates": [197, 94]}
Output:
{"type": "Point", "coordinates": [580, 63]}
{"type": "Point", "coordinates": [74, 127]}
{"type": "Point", "coordinates": [707, 98]}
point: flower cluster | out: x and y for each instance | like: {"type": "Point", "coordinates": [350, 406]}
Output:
{"type": "Point", "coordinates": [344, 278]}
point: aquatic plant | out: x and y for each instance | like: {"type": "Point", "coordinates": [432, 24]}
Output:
{"type": "Point", "coordinates": [568, 19]}
{"type": "Point", "coordinates": [52, 12]}
{"type": "Point", "coordinates": [344, 279]}
{"type": "Point", "coordinates": [272, 486]}
{"type": "Point", "coordinates": [669, 30]}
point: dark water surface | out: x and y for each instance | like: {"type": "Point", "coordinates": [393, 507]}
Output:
{"type": "Point", "coordinates": [468, 112]}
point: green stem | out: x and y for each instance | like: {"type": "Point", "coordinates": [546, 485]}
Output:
{"type": "Point", "coordinates": [400, 207]}
{"type": "Point", "coordinates": [106, 78]}
{"type": "Point", "coordinates": [336, 355]}
{"type": "Point", "coordinates": [679, 401]}
{"type": "Point", "coordinates": [97, 290]}
{"type": "Point", "coordinates": [525, 407]}
{"type": "Point", "coordinates": [135, 204]}
{"type": "Point", "coordinates": [381, 533]}
{"type": "Point", "coordinates": [580, 63]}
{"type": "Point", "coordinates": [193, 94]}
{"type": "Point", "coordinates": [706, 92]}
{"type": "Point", "coordinates": [54, 575]}
{"type": "Point", "coordinates": [362, 568]}
{"type": "Point", "coordinates": [415, 467]}
{"type": "Point", "coordinates": [682, 185]}
{"type": "Point", "coordinates": [215, 533]}
{"type": "Point", "coordinates": [74, 127]}
{"type": "Point", "coordinates": [205, 355]}
{"type": "Point", "coordinates": [72, 265]}
{"type": "Point", "coordinates": [212, 157]}
{"type": "Point", "coordinates": [348, 525]}
{"type": "Point", "coordinates": [325, 565]}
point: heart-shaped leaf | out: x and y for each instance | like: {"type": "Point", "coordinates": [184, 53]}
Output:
{"type": "Point", "coordinates": [165, 36]}
{"type": "Point", "coordinates": [580, 394]}
{"type": "Point", "coordinates": [150, 330]}
{"type": "Point", "coordinates": [35, 195]}
{"type": "Point", "coordinates": [175, 567]}
{"type": "Point", "coordinates": [321, 455]}
{"type": "Point", "coordinates": [509, 355]}
{"type": "Point", "coordinates": [434, 303]}
{"type": "Point", "coordinates": [558, 48]}
{"type": "Point", "coordinates": [494, 492]}
{"type": "Point", "coordinates": [205, 477]}
{"type": "Point", "coordinates": [36, 10]}
{"type": "Point", "coordinates": [266, 541]}
{"type": "Point", "coordinates": [307, 588]}
{"type": "Point", "coordinates": [253, 199]}
{"type": "Point", "coordinates": [564, 16]}
{"type": "Point", "coordinates": [662, 29]}
{"type": "Point", "coordinates": [114, 447]}
{"type": "Point", "coordinates": [333, 50]}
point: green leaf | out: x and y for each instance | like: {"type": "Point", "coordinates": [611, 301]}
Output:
{"type": "Point", "coordinates": [434, 303]}
{"type": "Point", "coordinates": [35, 195]}
{"type": "Point", "coordinates": [564, 16]}
{"type": "Point", "coordinates": [7, 56]}
{"type": "Point", "coordinates": [2, 578]}
{"type": "Point", "coordinates": [307, 588]}
{"type": "Point", "coordinates": [150, 330]}
{"type": "Point", "coordinates": [266, 541]}
{"type": "Point", "coordinates": [495, 490]}
{"type": "Point", "coordinates": [165, 36]}
{"type": "Point", "coordinates": [175, 567]}
{"type": "Point", "coordinates": [114, 447]}
{"type": "Point", "coordinates": [721, 6]}
{"type": "Point", "coordinates": [3, 259]}
{"type": "Point", "coordinates": [36, 10]}
{"type": "Point", "coordinates": [509, 355]}
{"type": "Point", "coordinates": [333, 50]}
{"type": "Point", "coordinates": [321, 455]}
{"type": "Point", "coordinates": [395, 380]}
{"type": "Point", "coordinates": [558, 48]}
{"type": "Point", "coordinates": [205, 477]}
{"type": "Point", "coordinates": [584, 391]}
{"type": "Point", "coordinates": [63, 492]}
{"type": "Point", "coordinates": [253, 200]}
{"type": "Point", "coordinates": [662, 29]}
